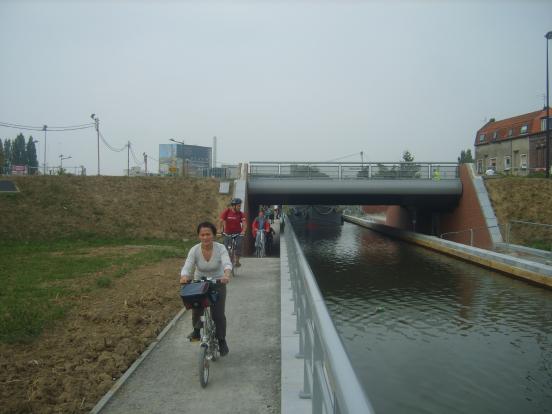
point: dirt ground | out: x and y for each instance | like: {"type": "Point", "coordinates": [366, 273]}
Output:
{"type": "Point", "coordinates": [71, 366]}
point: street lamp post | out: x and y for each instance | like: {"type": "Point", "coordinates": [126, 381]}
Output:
{"type": "Point", "coordinates": [178, 142]}
{"type": "Point", "coordinates": [97, 125]}
{"type": "Point", "coordinates": [44, 128]}
{"type": "Point", "coordinates": [61, 158]}
{"type": "Point", "coordinates": [548, 36]}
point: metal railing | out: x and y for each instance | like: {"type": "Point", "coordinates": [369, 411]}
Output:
{"type": "Point", "coordinates": [355, 171]}
{"type": "Point", "coordinates": [329, 379]}
{"type": "Point", "coordinates": [516, 232]}
{"type": "Point", "coordinates": [36, 171]}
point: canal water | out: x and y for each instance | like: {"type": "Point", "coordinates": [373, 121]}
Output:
{"type": "Point", "coordinates": [427, 333]}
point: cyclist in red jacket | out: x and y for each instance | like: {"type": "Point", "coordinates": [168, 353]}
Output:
{"type": "Point", "coordinates": [260, 222]}
{"type": "Point", "coordinates": [232, 221]}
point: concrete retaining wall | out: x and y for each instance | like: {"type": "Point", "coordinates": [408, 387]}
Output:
{"type": "Point", "coordinates": [524, 269]}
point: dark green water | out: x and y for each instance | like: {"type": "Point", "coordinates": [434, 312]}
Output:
{"type": "Point", "coordinates": [430, 334]}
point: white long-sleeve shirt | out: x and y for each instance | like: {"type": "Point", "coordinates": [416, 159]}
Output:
{"type": "Point", "coordinates": [220, 261]}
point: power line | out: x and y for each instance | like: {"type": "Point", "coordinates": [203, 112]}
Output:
{"type": "Point", "coordinates": [135, 157]}
{"type": "Point", "coordinates": [346, 156]}
{"type": "Point", "coordinates": [50, 128]}
{"type": "Point", "coordinates": [112, 148]}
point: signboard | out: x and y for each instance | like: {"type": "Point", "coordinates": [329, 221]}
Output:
{"type": "Point", "coordinates": [173, 169]}
{"type": "Point", "coordinates": [19, 170]}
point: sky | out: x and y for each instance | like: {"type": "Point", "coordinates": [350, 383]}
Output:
{"type": "Point", "coordinates": [272, 80]}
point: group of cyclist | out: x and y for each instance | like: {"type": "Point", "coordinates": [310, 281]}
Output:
{"type": "Point", "coordinates": [211, 260]}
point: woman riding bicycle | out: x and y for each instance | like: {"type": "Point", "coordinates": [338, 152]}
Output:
{"type": "Point", "coordinates": [210, 260]}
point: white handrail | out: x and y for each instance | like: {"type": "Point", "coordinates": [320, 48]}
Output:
{"type": "Point", "coordinates": [329, 379]}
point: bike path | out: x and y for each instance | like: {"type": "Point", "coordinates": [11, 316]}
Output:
{"type": "Point", "coordinates": [247, 380]}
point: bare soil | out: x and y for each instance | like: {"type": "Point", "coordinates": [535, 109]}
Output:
{"type": "Point", "coordinates": [71, 366]}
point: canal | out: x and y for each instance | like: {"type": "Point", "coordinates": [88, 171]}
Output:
{"type": "Point", "coordinates": [427, 333]}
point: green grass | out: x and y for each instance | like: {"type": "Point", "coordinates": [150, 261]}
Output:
{"type": "Point", "coordinates": [541, 244]}
{"type": "Point", "coordinates": [103, 281]}
{"type": "Point", "coordinates": [37, 279]}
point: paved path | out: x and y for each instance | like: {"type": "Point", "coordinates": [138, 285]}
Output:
{"type": "Point", "coordinates": [247, 380]}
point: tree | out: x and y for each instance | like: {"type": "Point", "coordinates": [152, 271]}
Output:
{"type": "Point", "coordinates": [18, 151]}
{"type": "Point", "coordinates": [30, 155]}
{"type": "Point", "coordinates": [465, 157]}
{"type": "Point", "coordinates": [408, 169]}
{"type": "Point", "coordinates": [407, 156]}
{"type": "Point", "coordinates": [2, 158]}
{"type": "Point", "coordinates": [7, 153]}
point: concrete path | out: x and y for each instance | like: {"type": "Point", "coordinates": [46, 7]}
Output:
{"type": "Point", "coordinates": [247, 380]}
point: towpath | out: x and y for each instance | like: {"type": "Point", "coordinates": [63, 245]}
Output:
{"type": "Point", "coordinates": [247, 380]}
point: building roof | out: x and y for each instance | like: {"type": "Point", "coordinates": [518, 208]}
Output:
{"type": "Point", "coordinates": [510, 128]}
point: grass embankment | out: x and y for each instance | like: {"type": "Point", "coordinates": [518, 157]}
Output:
{"type": "Point", "coordinates": [523, 199]}
{"type": "Point", "coordinates": [39, 279]}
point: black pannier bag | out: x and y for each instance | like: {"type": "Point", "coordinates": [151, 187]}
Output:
{"type": "Point", "coordinates": [195, 295]}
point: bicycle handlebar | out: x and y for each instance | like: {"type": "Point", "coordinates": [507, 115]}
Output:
{"type": "Point", "coordinates": [205, 279]}
{"type": "Point", "coordinates": [232, 235]}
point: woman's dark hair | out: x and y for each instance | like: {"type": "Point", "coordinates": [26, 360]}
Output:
{"type": "Point", "coordinates": [207, 225]}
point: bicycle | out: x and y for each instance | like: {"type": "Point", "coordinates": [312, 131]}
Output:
{"type": "Point", "coordinates": [233, 250]}
{"type": "Point", "coordinates": [269, 244]}
{"type": "Point", "coordinates": [260, 244]}
{"type": "Point", "coordinates": [203, 296]}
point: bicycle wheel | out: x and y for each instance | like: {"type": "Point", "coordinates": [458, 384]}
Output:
{"type": "Point", "coordinates": [203, 366]}
{"type": "Point", "coordinates": [212, 349]}
{"type": "Point", "coordinates": [233, 259]}
{"type": "Point", "coordinates": [262, 246]}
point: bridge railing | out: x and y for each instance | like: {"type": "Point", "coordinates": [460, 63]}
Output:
{"type": "Point", "coordinates": [328, 376]}
{"type": "Point", "coordinates": [354, 171]}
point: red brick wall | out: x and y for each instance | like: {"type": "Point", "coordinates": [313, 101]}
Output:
{"type": "Point", "coordinates": [467, 215]}
{"type": "Point", "coordinates": [398, 217]}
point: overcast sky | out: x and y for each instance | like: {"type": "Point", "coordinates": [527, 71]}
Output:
{"type": "Point", "coordinates": [272, 80]}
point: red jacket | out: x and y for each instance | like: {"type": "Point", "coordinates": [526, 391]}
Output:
{"type": "Point", "coordinates": [255, 226]}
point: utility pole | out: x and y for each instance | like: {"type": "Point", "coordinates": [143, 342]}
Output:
{"type": "Point", "coordinates": [44, 128]}
{"type": "Point", "coordinates": [146, 162]}
{"type": "Point", "coordinates": [97, 122]}
{"type": "Point", "coordinates": [128, 159]}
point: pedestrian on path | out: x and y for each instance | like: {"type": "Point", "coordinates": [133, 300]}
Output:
{"type": "Point", "coordinates": [210, 259]}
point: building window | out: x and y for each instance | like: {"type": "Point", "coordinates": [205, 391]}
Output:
{"type": "Point", "coordinates": [481, 137]}
{"type": "Point", "coordinates": [510, 132]}
{"type": "Point", "coordinates": [479, 166]}
{"type": "Point", "coordinates": [523, 129]}
{"type": "Point", "coordinates": [507, 163]}
{"type": "Point", "coordinates": [492, 163]}
{"type": "Point", "coordinates": [523, 161]}
{"type": "Point", "coordinates": [543, 124]}
{"type": "Point", "coordinates": [495, 134]}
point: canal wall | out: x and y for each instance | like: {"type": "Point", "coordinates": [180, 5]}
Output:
{"type": "Point", "coordinates": [520, 268]}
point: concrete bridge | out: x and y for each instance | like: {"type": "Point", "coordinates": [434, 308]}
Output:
{"type": "Point", "coordinates": [435, 185]}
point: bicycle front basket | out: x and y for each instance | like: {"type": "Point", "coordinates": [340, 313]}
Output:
{"type": "Point", "coordinates": [195, 295]}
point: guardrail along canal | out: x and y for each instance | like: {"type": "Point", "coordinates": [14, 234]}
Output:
{"type": "Point", "coordinates": [427, 333]}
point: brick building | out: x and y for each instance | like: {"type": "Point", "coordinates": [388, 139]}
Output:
{"type": "Point", "coordinates": [514, 145]}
